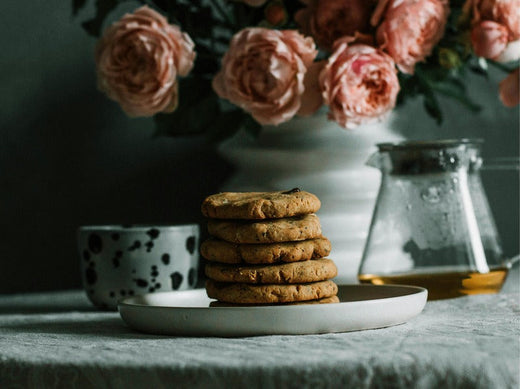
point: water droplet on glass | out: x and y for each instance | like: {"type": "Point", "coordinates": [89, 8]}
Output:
{"type": "Point", "coordinates": [431, 194]}
{"type": "Point", "coordinates": [408, 207]}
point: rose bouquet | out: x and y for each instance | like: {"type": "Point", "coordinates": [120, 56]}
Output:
{"type": "Point", "coordinates": [215, 66]}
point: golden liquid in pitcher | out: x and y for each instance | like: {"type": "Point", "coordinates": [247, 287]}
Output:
{"type": "Point", "coordinates": [445, 285]}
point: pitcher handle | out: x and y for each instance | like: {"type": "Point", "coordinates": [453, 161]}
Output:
{"type": "Point", "coordinates": [512, 261]}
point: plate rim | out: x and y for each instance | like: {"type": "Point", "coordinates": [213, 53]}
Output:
{"type": "Point", "coordinates": [203, 320]}
{"type": "Point", "coordinates": [126, 304]}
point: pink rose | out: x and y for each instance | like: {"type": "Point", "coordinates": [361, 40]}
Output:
{"type": "Point", "coordinates": [505, 13]}
{"type": "Point", "coordinates": [509, 89]}
{"type": "Point", "coordinates": [330, 20]}
{"type": "Point", "coordinates": [410, 29]}
{"type": "Point", "coordinates": [489, 39]}
{"type": "Point", "coordinates": [359, 83]}
{"type": "Point", "coordinates": [263, 73]}
{"type": "Point", "coordinates": [138, 60]}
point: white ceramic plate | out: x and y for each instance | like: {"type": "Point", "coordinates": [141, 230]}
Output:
{"type": "Point", "coordinates": [187, 313]}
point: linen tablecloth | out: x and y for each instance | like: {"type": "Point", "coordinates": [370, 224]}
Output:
{"type": "Point", "coordinates": [58, 340]}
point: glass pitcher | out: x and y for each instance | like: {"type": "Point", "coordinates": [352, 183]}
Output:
{"type": "Point", "coordinates": [432, 225]}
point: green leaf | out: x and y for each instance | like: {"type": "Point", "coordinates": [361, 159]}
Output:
{"type": "Point", "coordinates": [77, 5]}
{"type": "Point", "coordinates": [163, 5]}
{"type": "Point", "coordinates": [201, 23]}
{"type": "Point", "coordinates": [198, 108]}
{"type": "Point", "coordinates": [432, 72]}
{"type": "Point", "coordinates": [103, 8]}
{"type": "Point", "coordinates": [430, 100]}
{"type": "Point", "coordinates": [409, 87]}
{"type": "Point", "coordinates": [432, 107]}
{"type": "Point", "coordinates": [456, 90]}
{"type": "Point", "coordinates": [505, 67]}
{"type": "Point", "coordinates": [479, 71]}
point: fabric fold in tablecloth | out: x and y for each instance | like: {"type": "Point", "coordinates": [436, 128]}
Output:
{"type": "Point", "coordinates": [57, 339]}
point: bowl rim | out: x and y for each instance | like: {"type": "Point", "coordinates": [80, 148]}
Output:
{"type": "Point", "coordinates": [126, 228]}
{"type": "Point", "coordinates": [429, 144]}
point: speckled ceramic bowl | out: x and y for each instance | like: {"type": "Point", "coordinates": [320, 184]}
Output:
{"type": "Point", "coordinates": [119, 261]}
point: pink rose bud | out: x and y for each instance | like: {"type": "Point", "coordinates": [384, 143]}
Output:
{"type": "Point", "coordinates": [359, 83]}
{"type": "Point", "coordinates": [504, 12]}
{"type": "Point", "coordinates": [263, 72]}
{"type": "Point", "coordinates": [275, 13]}
{"type": "Point", "coordinates": [138, 60]}
{"type": "Point", "coordinates": [509, 89]}
{"type": "Point", "coordinates": [330, 20]}
{"type": "Point", "coordinates": [489, 39]}
{"type": "Point", "coordinates": [410, 29]}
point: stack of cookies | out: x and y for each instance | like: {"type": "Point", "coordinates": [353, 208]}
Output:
{"type": "Point", "coordinates": [267, 248]}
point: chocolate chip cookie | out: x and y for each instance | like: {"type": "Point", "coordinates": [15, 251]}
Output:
{"type": "Point", "coordinates": [260, 205]}
{"type": "Point", "coordinates": [266, 231]}
{"type": "Point", "coordinates": [285, 273]}
{"type": "Point", "coordinates": [218, 250]}
{"type": "Point", "coordinates": [240, 293]}
{"type": "Point", "coordinates": [325, 300]}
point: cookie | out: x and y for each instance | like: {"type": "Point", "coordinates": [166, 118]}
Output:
{"type": "Point", "coordinates": [269, 294]}
{"type": "Point", "coordinates": [260, 205]}
{"type": "Point", "coordinates": [221, 251]}
{"type": "Point", "coordinates": [266, 231]}
{"type": "Point", "coordinates": [285, 273]}
{"type": "Point", "coordinates": [325, 300]}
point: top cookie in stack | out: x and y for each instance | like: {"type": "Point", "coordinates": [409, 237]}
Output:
{"type": "Point", "coordinates": [267, 248]}
{"type": "Point", "coordinates": [260, 205]}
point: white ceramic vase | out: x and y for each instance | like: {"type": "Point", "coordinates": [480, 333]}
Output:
{"type": "Point", "coordinates": [318, 156]}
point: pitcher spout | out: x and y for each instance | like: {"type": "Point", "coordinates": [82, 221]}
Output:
{"type": "Point", "coordinates": [374, 160]}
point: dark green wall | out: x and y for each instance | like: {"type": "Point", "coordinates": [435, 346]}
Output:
{"type": "Point", "coordinates": [69, 157]}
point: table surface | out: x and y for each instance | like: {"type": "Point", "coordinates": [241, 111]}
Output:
{"type": "Point", "coordinates": [57, 339]}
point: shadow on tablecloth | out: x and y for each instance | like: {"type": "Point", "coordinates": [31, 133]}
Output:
{"type": "Point", "coordinates": [76, 324]}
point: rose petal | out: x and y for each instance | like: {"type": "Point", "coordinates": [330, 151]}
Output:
{"type": "Point", "coordinates": [509, 89]}
{"type": "Point", "coordinates": [138, 60]}
{"type": "Point", "coordinates": [263, 73]}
